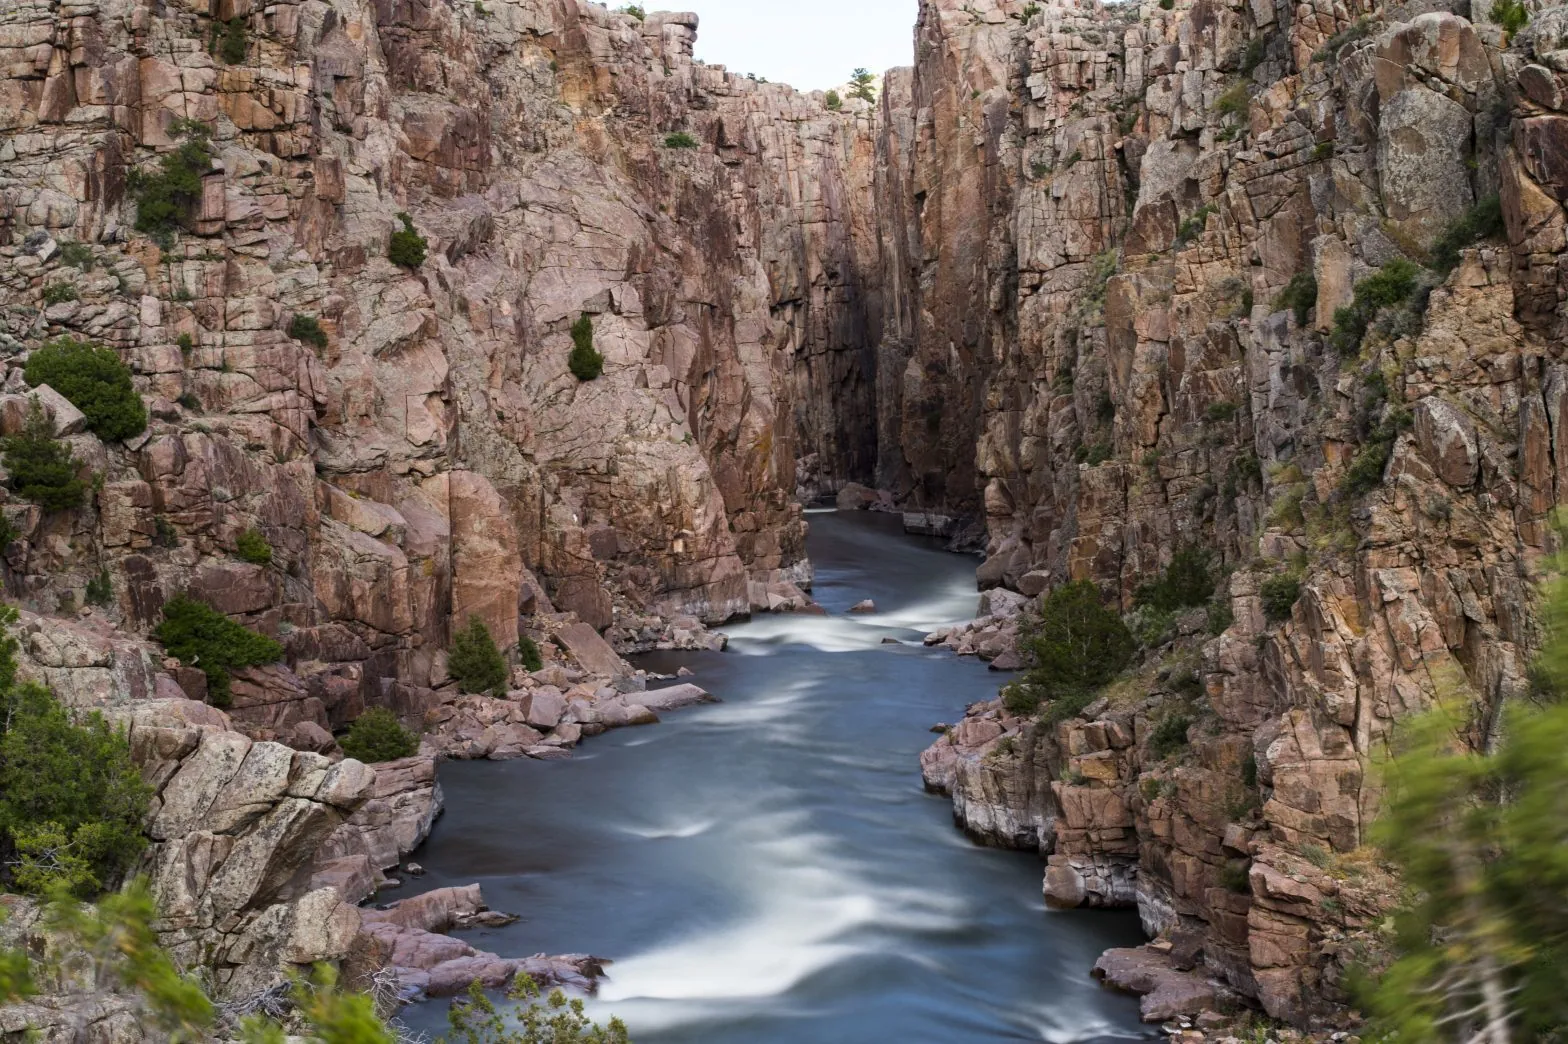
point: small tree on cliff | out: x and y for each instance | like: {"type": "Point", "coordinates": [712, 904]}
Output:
{"type": "Point", "coordinates": [1077, 645]}
{"type": "Point", "coordinates": [71, 799]}
{"type": "Point", "coordinates": [407, 247]}
{"type": "Point", "coordinates": [1476, 820]}
{"type": "Point", "coordinates": [474, 662]}
{"type": "Point", "coordinates": [42, 467]}
{"type": "Point", "coordinates": [585, 362]}
{"type": "Point", "coordinates": [204, 638]}
{"type": "Point", "coordinates": [862, 85]}
{"type": "Point", "coordinates": [164, 196]}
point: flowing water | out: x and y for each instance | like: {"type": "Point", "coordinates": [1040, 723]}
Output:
{"type": "Point", "coordinates": [769, 870]}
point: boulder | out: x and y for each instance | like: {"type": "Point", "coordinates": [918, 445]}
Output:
{"type": "Point", "coordinates": [1447, 438]}
{"type": "Point", "coordinates": [589, 649]}
{"type": "Point", "coordinates": [673, 697]}
{"type": "Point", "coordinates": [1165, 992]}
{"type": "Point", "coordinates": [543, 707]}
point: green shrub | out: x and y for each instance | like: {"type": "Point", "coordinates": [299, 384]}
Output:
{"type": "Point", "coordinates": [1394, 285]}
{"type": "Point", "coordinates": [42, 468]}
{"type": "Point", "coordinates": [1187, 581]}
{"type": "Point", "coordinates": [1279, 594]}
{"type": "Point", "coordinates": [1166, 5]}
{"type": "Point", "coordinates": [190, 401]}
{"type": "Point", "coordinates": [833, 101]}
{"type": "Point", "coordinates": [252, 547]}
{"type": "Point", "coordinates": [1063, 708]}
{"type": "Point", "coordinates": [1221, 616]}
{"type": "Point", "coordinates": [307, 330]}
{"type": "Point", "coordinates": [95, 381]}
{"type": "Point", "coordinates": [71, 800]}
{"type": "Point", "coordinates": [1322, 150]}
{"type": "Point", "coordinates": [1512, 15]}
{"type": "Point", "coordinates": [1234, 100]}
{"type": "Point", "coordinates": [1094, 453]}
{"type": "Point", "coordinates": [233, 45]}
{"type": "Point", "coordinates": [1252, 57]}
{"type": "Point", "coordinates": [585, 362]}
{"type": "Point", "coordinates": [100, 589]}
{"type": "Point", "coordinates": [1193, 227]}
{"type": "Point", "coordinates": [862, 85]}
{"type": "Point", "coordinates": [1234, 876]}
{"type": "Point", "coordinates": [1482, 221]}
{"type": "Point", "coordinates": [407, 247]}
{"type": "Point", "coordinates": [376, 736]}
{"type": "Point", "coordinates": [680, 140]}
{"type": "Point", "coordinates": [474, 662]}
{"type": "Point", "coordinates": [1150, 626]}
{"type": "Point", "coordinates": [77, 255]}
{"type": "Point", "coordinates": [1366, 468]}
{"type": "Point", "coordinates": [1220, 413]}
{"type": "Point", "coordinates": [164, 197]}
{"type": "Point", "coordinates": [58, 293]}
{"type": "Point", "coordinates": [1077, 645]}
{"type": "Point", "coordinates": [635, 10]}
{"type": "Point", "coordinates": [528, 654]}
{"type": "Point", "coordinates": [201, 637]}
{"type": "Point", "coordinates": [1170, 735]}
{"type": "Point", "coordinates": [1300, 296]}
{"type": "Point", "coordinates": [1030, 10]}
{"type": "Point", "coordinates": [1357, 30]}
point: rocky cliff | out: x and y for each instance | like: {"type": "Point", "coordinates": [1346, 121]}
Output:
{"type": "Point", "coordinates": [1165, 207]}
{"type": "Point", "coordinates": [1076, 274]}
{"type": "Point", "coordinates": [408, 439]}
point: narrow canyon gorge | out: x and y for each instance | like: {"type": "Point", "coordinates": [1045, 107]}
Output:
{"type": "Point", "coordinates": [1088, 286]}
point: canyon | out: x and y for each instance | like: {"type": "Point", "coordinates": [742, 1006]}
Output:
{"type": "Point", "coordinates": [1051, 285]}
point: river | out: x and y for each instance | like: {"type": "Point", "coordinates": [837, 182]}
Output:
{"type": "Point", "coordinates": [769, 870]}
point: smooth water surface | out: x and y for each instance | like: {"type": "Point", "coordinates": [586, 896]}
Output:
{"type": "Point", "coordinates": [769, 870]}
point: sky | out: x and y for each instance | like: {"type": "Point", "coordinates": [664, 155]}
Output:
{"type": "Point", "coordinates": [808, 44]}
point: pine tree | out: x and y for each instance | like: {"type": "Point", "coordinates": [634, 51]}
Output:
{"type": "Point", "coordinates": [862, 85]}
{"type": "Point", "coordinates": [42, 468]}
{"type": "Point", "coordinates": [1077, 644]}
{"type": "Point", "coordinates": [475, 662]}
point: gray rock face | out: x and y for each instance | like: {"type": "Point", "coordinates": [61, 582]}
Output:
{"type": "Point", "coordinates": [1423, 140]}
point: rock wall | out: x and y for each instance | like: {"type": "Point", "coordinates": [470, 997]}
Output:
{"type": "Point", "coordinates": [435, 459]}
{"type": "Point", "coordinates": [1138, 187]}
